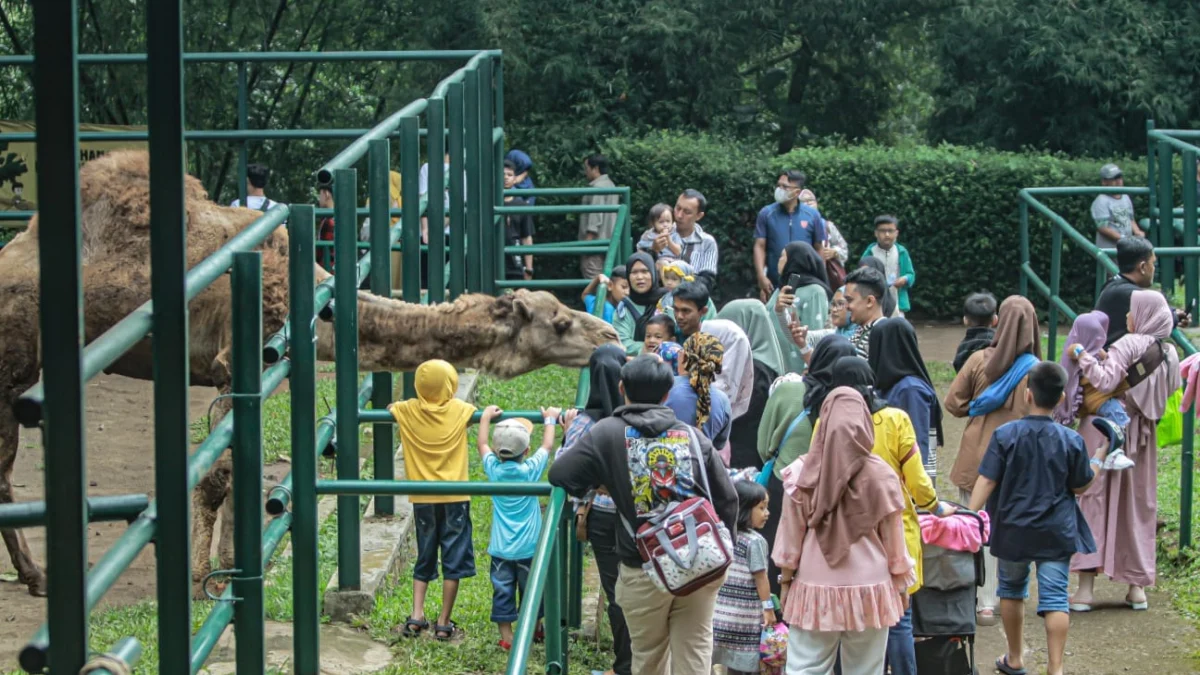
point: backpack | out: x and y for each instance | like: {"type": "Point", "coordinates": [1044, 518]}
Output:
{"type": "Point", "coordinates": [684, 545]}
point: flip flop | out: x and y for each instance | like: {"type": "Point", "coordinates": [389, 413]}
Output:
{"type": "Point", "coordinates": [1003, 667]}
{"type": "Point", "coordinates": [1079, 607]}
{"type": "Point", "coordinates": [1137, 606]}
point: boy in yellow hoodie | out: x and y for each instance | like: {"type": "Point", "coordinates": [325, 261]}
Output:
{"type": "Point", "coordinates": [433, 433]}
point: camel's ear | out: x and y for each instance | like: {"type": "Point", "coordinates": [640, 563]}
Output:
{"type": "Point", "coordinates": [523, 306]}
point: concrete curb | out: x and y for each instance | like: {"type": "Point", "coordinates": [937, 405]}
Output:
{"type": "Point", "coordinates": [386, 543]}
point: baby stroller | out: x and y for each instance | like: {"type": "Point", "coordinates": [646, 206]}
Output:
{"type": "Point", "coordinates": [943, 610]}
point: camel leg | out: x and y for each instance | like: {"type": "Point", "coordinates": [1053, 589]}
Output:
{"type": "Point", "coordinates": [207, 499]}
{"type": "Point", "coordinates": [28, 571]}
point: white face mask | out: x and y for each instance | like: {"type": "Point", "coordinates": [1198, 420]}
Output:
{"type": "Point", "coordinates": [782, 194]}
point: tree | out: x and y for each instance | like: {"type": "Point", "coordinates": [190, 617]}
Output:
{"type": "Point", "coordinates": [1080, 77]}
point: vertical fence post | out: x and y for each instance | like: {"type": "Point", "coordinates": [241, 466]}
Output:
{"type": "Point", "coordinates": [498, 69]}
{"type": "Point", "coordinates": [1190, 285]}
{"type": "Point", "coordinates": [1055, 279]}
{"type": "Point", "coordinates": [249, 615]}
{"type": "Point", "coordinates": [345, 203]}
{"type": "Point", "coordinates": [306, 621]}
{"type": "Point", "coordinates": [553, 601]}
{"type": "Point", "coordinates": [455, 122]}
{"type": "Point", "coordinates": [474, 247]}
{"type": "Point", "coordinates": [435, 118]}
{"type": "Point", "coordinates": [1151, 174]}
{"type": "Point", "coordinates": [168, 265]}
{"type": "Point", "coordinates": [378, 184]}
{"type": "Point", "coordinates": [55, 35]}
{"type": "Point", "coordinates": [243, 123]}
{"type": "Point", "coordinates": [1166, 216]}
{"type": "Point", "coordinates": [1023, 212]}
{"type": "Point", "coordinates": [410, 161]}
{"type": "Point", "coordinates": [487, 186]}
{"type": "Point", "coordinates": [575, 583]}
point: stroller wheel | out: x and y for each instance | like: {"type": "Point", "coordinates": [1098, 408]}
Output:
{"type": "Point", "coordinates": [1114, 433]}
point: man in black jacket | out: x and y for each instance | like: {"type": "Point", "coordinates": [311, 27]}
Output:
{"type": "Point", "coordinates": [640, 454]}
{"type": "Point", "coordinates": [1135, 261]}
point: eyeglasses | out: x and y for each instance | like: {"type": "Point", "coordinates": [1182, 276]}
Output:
{"type": "Point", "coordinates": [841, 304]}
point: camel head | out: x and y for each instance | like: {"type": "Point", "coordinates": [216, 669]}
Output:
{"type": "Point", "coordinates": [542, 331]}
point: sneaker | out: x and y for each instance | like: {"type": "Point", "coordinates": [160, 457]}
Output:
{"type": "Point", "coordinates": [1117, 461]}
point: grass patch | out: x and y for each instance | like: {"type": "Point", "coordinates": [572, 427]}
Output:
{"type": "Point", "coordinates": [1179, 570]}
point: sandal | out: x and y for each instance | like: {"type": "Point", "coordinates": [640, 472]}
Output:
{"type": "Point", "coordinates": [505, 645]}
{"type": "Point", "coordinates": [446, 633]}
{"type": "Point", "coordinates": [1137, 606]}
{"type": "Point", "coordinates": [412, 627]}
{"type": "Point", "coordinates": [1003, 667]}
{"type": "Point", "coordinates": [986, 616]}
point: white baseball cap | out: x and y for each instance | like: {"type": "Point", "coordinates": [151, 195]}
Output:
{"type": "Point", "coordinates": [510, 438]}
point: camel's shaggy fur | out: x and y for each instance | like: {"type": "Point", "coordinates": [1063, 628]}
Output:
{"type": "Point", "coordinates": [504, 336]}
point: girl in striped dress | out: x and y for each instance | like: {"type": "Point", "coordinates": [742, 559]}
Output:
{"type": "Point", "coordinates": [744, 603]}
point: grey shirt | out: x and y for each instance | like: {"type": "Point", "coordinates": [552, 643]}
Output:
{"type": "Point", "coordinates": [1115, 212]}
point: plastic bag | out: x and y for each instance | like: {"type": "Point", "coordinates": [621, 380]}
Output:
{"type": "Point", "coordinates": [772, 649]}
{"type": "Point", "coordinates": [1170, 427]}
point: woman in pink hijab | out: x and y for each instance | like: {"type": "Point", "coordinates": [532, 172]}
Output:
{"type": "Point", "coordinates": [1121, 507]}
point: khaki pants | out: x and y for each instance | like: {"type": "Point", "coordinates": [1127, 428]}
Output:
{"type": "Point", "coordinates": [987, 594]}
{"type": "Point", "coordinates": [670, 635]}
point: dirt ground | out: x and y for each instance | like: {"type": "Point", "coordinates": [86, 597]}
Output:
{"type": "Point", "coordinates": [120, 460]}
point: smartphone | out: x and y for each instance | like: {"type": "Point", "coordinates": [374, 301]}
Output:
{"type": "Point", "coordinates": [788, 315]}
{"type": "Point", "coordinates": [794, 281]}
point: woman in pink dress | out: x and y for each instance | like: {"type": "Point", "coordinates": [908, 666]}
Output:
{"type": "Point", "coordinates": [1121, 507]}
{"type": "Point", "coordinates": [845, 570]}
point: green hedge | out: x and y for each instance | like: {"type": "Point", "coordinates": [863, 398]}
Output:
{"type": "Point", "coordinates": [957, 206]}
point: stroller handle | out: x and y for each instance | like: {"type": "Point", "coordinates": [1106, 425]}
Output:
{"type": "Point", "coordinates": [964, 511]}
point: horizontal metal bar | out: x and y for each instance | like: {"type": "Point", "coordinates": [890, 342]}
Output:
{"type": "Point", "coordinates": [212, 135]}
{"type": "Point", "coordinates": [366, 416]}
{"type": "Point", "coordinates": [553, 209]}
{"type": "Point", "coordinates": [427, 488]}
{"type": "Point", "coordinates": [128, 651]}
{"type": "Point", "coordinates": [1182, 146]}
{"type": "Point", "coordinates": [100, 509]}
{"type": "Point", "coordinates": [1181, 251]}
{"type": "Point", "coordinates": [543, 284]}
{"type": "Point", "coordinates": [222, 612]}
{"type": "Point", "coordinates": [1086, 190]}
{"type": "Point", "coordinates": [565, 192]}
{"type": "Point", "coordinates": [361, 211]}
{"type": "Point", "coordinates": [22, 216]}
{"type": "Point", "coordinates": [1072, 233]}
{"type": "Point", "coordinates": [112, 345]}
{"type": "Point", "coordinates": [121, 554]}
{"type": "Point", "coordinates": [561, 250]}
{"type": "Point", "coordinates": [281, 495]}
{"type": "Point", "coordinates": [459, 75]}
{"type": "Point", "coordinates": [356, 150]}
{"type": "Point", "coordinates": [270, 57]}
{"type": "Point", "coordinates": [576, 242]}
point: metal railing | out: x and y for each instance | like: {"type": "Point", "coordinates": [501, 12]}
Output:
{"type": "Point", "coordinates": [1162, 146]}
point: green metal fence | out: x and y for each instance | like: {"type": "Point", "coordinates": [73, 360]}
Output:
{"type": "Point", "coordinates": [1162, 145]}
{"type": "Point", "coordinates": [463, 117]}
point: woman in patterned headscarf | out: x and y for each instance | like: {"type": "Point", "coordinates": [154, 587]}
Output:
{"type": "Point", "coordinates": [694, 398]}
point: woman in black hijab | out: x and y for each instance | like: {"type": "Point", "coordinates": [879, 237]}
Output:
{"type": "Point", "coordinates": [635, 310]}
{"type": "Point", "coordinates": [599, 512]}
{"type": "Point", "coordinates": [855, 372]}
{"type": "Point", "coordinates": [819, 380]}
{"type": "Point", "coordinates": [903, 381]}
{"type": "Point", "coordinates": [803, 260]}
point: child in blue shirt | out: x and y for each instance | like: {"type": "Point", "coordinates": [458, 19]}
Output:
{"type": "Point", "coordinates": [516, 521]}
{"type": "Point", "coordinates": [1029, 476]}
{"type": "Point", "coordinates": [618, 289]}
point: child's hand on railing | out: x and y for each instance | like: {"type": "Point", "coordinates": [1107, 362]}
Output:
{"type": "Point", "coordinates": [551, 415]}
{"type": "Point", "coordinates": [490, 413]}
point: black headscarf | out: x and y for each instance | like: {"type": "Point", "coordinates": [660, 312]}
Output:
{"type": "Point", "coordinates": [855, 372]}
{"type": "Point", "coordinates": [894, 355]}
{"type": "Point", "coordinates": [604, 393]}
{"type": "Point", "coordinates": [802, 259]}
{"type": "Point", "coordinates": [648, 300]}
{"type": "Point", "coordinates": [887, 303]}
{"type": "Point", "coordinates": [819, 380]}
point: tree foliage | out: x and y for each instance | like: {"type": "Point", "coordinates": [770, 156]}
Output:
{"type": "Point", "coordinates": [1080, 76]}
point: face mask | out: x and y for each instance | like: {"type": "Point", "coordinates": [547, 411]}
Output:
{"type": "Point", "coordinates": [782, 195]}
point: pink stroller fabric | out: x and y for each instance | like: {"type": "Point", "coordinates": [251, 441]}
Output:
{"type": "Point", "coordinates": [1189, 372]}
{"type": "Point", "coordinates": [957, 532]}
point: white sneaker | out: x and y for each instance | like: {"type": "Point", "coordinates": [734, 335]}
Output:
{"type": "Point", "coordinates": [1117, 461]}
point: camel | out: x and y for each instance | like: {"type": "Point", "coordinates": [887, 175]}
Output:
{"type": "Point", "coordinates": [505, 336]}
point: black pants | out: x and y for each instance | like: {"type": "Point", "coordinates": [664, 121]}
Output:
{"type": "Point", "coordinates": [602, 535]}
{"type": "Point", "coordinates": [775, 504]}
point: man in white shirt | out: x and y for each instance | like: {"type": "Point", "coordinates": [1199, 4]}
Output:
{"type": "Point", "coordinates": [257, 176]}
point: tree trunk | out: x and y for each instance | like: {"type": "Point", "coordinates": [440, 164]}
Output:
{"type": "Point", "coordinates": [793, 107]}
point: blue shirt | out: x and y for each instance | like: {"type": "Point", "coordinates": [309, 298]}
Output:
{"type": "Point", "coordinates": [516, 521]}
{"type": "Point", "coordinates": [589, 302]}
{"type": "Point", "coordinates": [915, 397]}
{"type": "Point", "coordinates": [781, 228]}
{"type": "Point", "coordinates": [683, 400]}
{"type": "Point", "coordinates": [1036, 464]}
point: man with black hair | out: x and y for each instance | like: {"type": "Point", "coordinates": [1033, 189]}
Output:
{"type": "Point", "coordinates": [1136, 263]}
{"type": "Point", "coordinates": [643, 455]}
{"type": "Point", "coordinates": [1029, 477]}
{"type": "Point", "coordinates": [864, 299]}
{"type": "Point", "coordinates": [690, 303]}
{"type": "Point", "coordinates": [699, 248]}
{"type": "Point", "coordinates": [979, 316]}
{"type": "Point", "coordinates": [257, 176]}
{"type": "Point", "coordinates": [596, 225]}
{"type": "Point", "coordinates": [780, 223]}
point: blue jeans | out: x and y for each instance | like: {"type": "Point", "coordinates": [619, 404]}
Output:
{"type": "Point", "coordinates": [508, 588]}
{"type": "Point", "coordinates": [901, 651]}
{"type": "Point", "coordinates": [1052, 577]}
{"type": "Point", "coordinates": [444, 527]}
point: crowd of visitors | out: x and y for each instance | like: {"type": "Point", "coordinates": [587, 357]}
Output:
{"type": "Point", "coordinates": [798, 433]}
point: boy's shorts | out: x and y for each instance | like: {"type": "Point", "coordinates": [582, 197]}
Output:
{"type": "Point", "coordinates": [1052, 579]}
{"type": "Point", "coordinates": [448, 527]}
{"type": "Point", "coordinates": [508, 588]}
